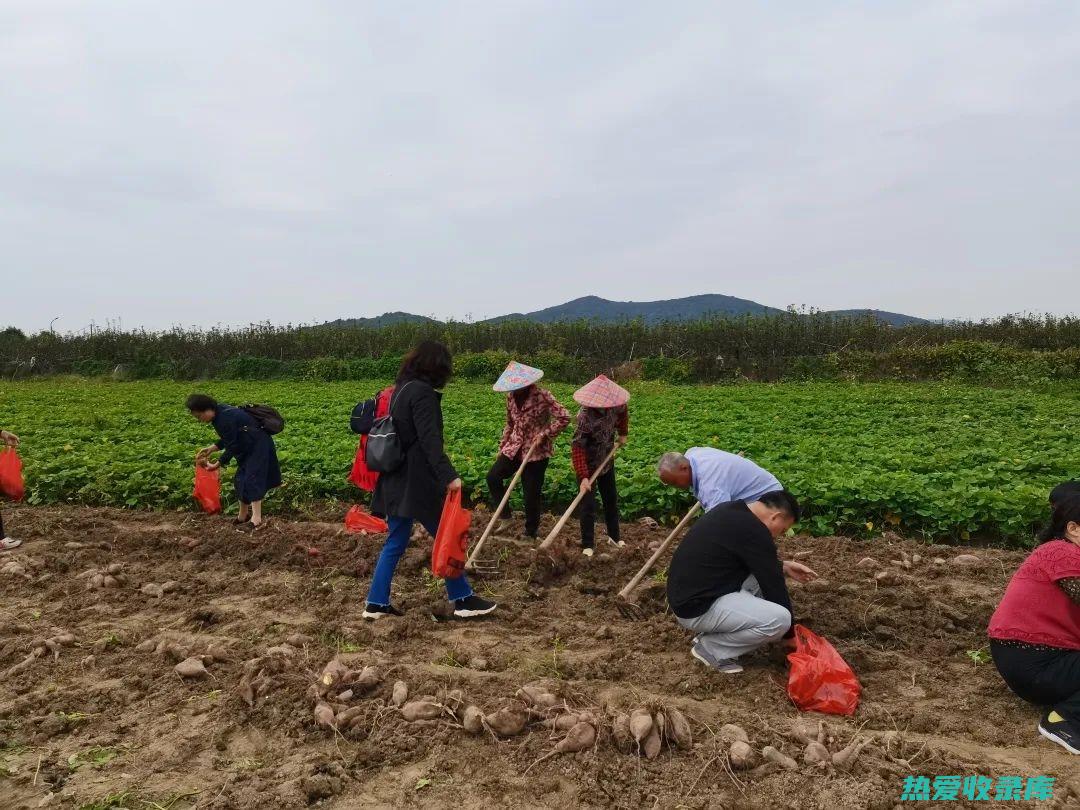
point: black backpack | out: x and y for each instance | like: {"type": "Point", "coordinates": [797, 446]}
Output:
{"type": "Point", "coordinates": [363, 416]}
{"type": "Point", "coordinates": [384, 452]}
{"type": "Point", "coordinates": [268, 418]}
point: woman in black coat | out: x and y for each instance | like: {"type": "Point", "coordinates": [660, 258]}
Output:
{"type": "Point", "coordinates": [417, 489]}
{"type": "Point", "coordinates": [243, 438]}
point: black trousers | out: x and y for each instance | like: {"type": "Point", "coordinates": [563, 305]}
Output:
{"type": "Point", "coordinates": [2, 535]}
{"type": "Point", "coordinates": [532, 486]}
{"type": "Point", "coordinates": [1045, 678]}
{"type": "Point", "coordinates": [587, 509]}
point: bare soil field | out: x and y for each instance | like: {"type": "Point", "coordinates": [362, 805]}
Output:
{"type": "Point", "coordinates": [103, 604]}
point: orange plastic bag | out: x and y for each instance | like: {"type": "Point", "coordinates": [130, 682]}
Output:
{"type": "Point", "coordinates": [207, 489]}
{"type": "Point", "coordinates": [11, 480]}
{"type": "Point", "coordinates": [820, 680]}
{"type": "Point", "coordinates": [360, 474]}
{"type": "Point", "coordinates": [452, 539]}
{"type": "Point", "coordinates": [357, 520]}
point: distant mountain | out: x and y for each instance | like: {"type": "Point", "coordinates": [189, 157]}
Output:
{"type": "Point", "coordinates": [694, 308]}
{"type": "Point", "coordinates": [379, 321]}
{"type": "Point", "coordinates": [601, 310]}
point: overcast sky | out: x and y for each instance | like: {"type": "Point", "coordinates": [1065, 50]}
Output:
{"type": "Point", "coordinates": [227, 162]}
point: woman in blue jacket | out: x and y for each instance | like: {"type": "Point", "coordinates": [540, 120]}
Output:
{"type": "Point", "coordinates": [243, 438]}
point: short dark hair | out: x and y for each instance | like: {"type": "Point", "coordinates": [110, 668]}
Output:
{"type": "Point", "coordinates": [197, 403]}
{"type": "Point", "coordinates": [430, 362]}
{"type": "Point", "coordinates": [1065, 489]}
{"type": "Point", "coordinates": [784, 501]}
{"type": "Point", "coordinates": [1066, 511]}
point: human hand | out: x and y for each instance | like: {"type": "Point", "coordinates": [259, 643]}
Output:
{"type": "Point", "coordinates": [799, 572]}
{"type": "Point", "coordinates": [621, 440]}
{"type": "Point", "coordinates": [211, 465]}
{"type": "Point", "coordinates": [585, 486]}
{"type": "Point", "coordinates": [454, 485]}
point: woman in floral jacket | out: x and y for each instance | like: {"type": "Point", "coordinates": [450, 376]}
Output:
{"type": "Point", "coordinates": [533, 419]}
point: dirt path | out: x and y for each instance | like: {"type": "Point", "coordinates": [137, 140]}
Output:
{"type": "Point", "coordinates": [110, 720]}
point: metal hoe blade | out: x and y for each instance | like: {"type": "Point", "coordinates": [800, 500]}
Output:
{"type": "Point", "coordinates": [629, 611]}
{"type": "Point", "coordinates": [488, 567]}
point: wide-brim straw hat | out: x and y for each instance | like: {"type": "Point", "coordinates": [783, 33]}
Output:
{"type": "Point", "coordinates": [517, 376]}
{"type": "Point", "coordinates": [602, 393]}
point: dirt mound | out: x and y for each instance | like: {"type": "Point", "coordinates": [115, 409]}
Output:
{"type": "Point", "coordinates": [168, 658]}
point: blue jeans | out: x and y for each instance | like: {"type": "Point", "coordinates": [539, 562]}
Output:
{"type": "Point", "coordinates": [396, 543]}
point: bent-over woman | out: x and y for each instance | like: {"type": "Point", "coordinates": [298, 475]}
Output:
{"type": "Point", "coordinates": [602, 422]}
{"type": "Point", "coordinates": [533, 419]}
{"type": "Point", "coordinates": [1035, 631]}
{"type": "Point", "coordinates": [9, 439]}
{"type": "Point", "coordinates": [417, 489]}
{"type": "Point", "coordinates": [240, 436]}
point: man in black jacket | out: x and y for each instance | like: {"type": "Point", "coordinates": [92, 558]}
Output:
{"type": "Point", "coordinates": [726, 582]}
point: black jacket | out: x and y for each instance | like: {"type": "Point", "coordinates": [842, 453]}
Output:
{"type": "Point", "coordinates": [720, 551]}
{"type": "Point", "coordinates": [417, 489]}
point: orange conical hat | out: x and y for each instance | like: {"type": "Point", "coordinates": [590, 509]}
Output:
{"type": "Point", "coordinates": [601, 393]}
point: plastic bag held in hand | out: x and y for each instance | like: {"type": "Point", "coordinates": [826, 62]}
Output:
{"type": "Point", "coordinates": [820, 680]}
{"type": "Point", "coordinates": [357, 520]}
{"type": "Point", "coordinates": [11, 480]}
{"type": "Point", "coordinates": [448, 555]}
{"type": "Point", "coordinates": [207, 489]}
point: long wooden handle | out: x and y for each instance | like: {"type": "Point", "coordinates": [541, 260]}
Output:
{"type": "Point", "coordinates": [502, 504]}
{"type": "Point", "coordinates": [581, 494]}
{"type": "Point", "coordinates": [625, 592]}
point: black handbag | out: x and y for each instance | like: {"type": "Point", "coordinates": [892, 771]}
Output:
{"type": "Point", "coordinates": [384, 452]}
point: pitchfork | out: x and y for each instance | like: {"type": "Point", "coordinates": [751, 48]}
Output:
{"type": "Point", "coordinates": [628, 609]}
{"type": "Point", "coordinates": [573, 505]}
{"type": "Point", "coordinates": [490, 565]}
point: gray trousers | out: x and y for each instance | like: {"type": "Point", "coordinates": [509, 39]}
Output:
{"type": "Point", "coordinates": [739, 622]}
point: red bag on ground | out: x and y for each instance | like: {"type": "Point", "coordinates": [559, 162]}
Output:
{"type": "Point", "coordinates": [360, 475]}
{"type": "Point", "coordinates": [452, 539]}
{"type": "Point", "coordinates": [820, 680]}
{"type": "Point", "coordinates": [207, 489]}
{"type": "Point", "coordinates": [11, 480]}
{"type": "Point", "coordinates": [357, 520]}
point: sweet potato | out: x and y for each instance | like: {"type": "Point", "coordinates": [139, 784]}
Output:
{"type": "Point", "coordinates": [96, 581]}
{"type": "Point", "coordinates": [367, 678]}
{"type": "Point", "coordinates": [473, 720]}
{"type": "Point", "coordinates": [345, 719]}
{"type": "Point", "coordinates": [538, 697]}
{"type": "Point", "coordinates": [453, 700]}
{"type": "Point", "coordinates": [580, 737]}
{"type": "Point", "coordinates": [64, 639]}
{"type": "Point", "coordinates": [651, 746]}
{"type": "Point", "coordinates": [169, 586]}
{"type": "Point", "coordinates": [146, 646]}
{"type": "Point", "coordinates": [564, 722]}
{"type": "Point", "coordinates": [641, 724]}
{"type": "Point", "coordinates": [730, 733]}
{"type": "Point", "coordinates": [507, 721]}
{"type": "Point", "coordinates": [846, 758]}
{"type": "Point", "coordinates": [741, 756]}
{"type": "Point", "coordinates": [114, 568]}
{"type": "Point", "coordinates": [817, 754]}
{"type": "Point", "coordinates": [324, 714]}
{"type": "Point", "coordinates": [218, 653]}
{"type": "Point", "coordinates": [781, 759]}
{"type": "Point", "coordinates": [109, 581]}
{"type": "Point", "coordinates": [678, 729]}
{"type": "Point", "coordinates": [620, 730]}
{"type": "Point", "coordinates": [400, 694]}
{"type": "Point", "coordinates": [421, 710]}
{"type": "Point", "coordinates": [152, 589]}
{"type": "Point", "coordinates": [660, 721]}
{"type": "Point", "coordinates": [192, 668]}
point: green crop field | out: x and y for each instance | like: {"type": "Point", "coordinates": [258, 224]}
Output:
{"type": "Point", "coordinates": [945, 460]}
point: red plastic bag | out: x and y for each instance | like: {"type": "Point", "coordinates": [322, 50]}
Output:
{"type": "Point", "coordinates": [452, 539]}
{"type": "Point", "coordinates": [207, 489]}
{"type": "Point", "coordinates": [11, 480]}
{"type": "Point", "coordinates": [820, 680]}
{"type": "Point", "coordinates": [357, 520]}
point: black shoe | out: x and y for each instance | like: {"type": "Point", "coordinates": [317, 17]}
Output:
{"type": "Point", "coordinates": [380, 611]}
{"type": "Point", "coordinates": [472, 606]}
{"type": "Point", "coordinates": [1064, 732]}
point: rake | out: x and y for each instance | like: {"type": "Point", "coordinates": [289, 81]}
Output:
{"type": "Point", "coordinates": [490, 565]}
{"type": "Point", "coordinates": [628, 609]}
{"type": "Point", "coordinates": [574, 504]}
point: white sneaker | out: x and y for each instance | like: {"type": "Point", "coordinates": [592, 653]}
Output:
{"type": "Point", "coordinates": [588, 552]}
{"type": "Point", "coordinates": [8, 543]}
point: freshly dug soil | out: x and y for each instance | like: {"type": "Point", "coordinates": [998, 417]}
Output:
{"type": "Point", "coordinates": [108, 718]}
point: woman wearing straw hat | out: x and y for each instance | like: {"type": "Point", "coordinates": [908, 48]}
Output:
{"type": "Point", "coordinates": [533, 419]}
{"type": "Point", "coordinates": [602, 421]}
